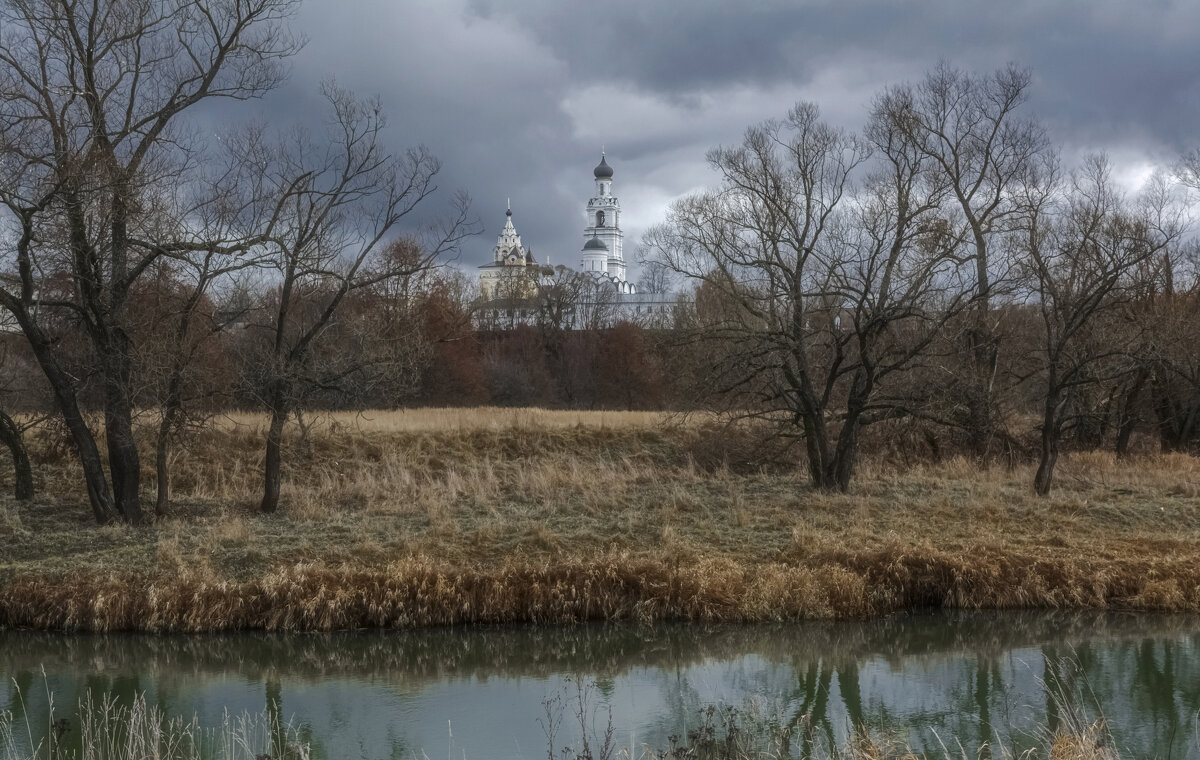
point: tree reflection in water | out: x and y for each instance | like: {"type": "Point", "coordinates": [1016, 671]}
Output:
{"type": "Point", "coordinates": [975, 677]}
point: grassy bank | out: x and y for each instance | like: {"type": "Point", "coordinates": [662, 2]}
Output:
{"type": "Point", "coordinates": [435, 517]}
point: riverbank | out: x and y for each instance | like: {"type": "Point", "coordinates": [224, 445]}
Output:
{"type": "Point", "coordinates": [490, 516]}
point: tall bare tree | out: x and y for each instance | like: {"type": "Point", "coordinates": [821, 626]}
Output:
{"type": "Point", "coordinates": [1162, 386]}
{"type": "Point", "coordinates": [93, 97]}
{"type": "Point", "coordinates": [815, 290]}
{"type": "Point", "coordinates": [970, 129]}
{"type": "Point", "coordinates": [1082, 252]}
{"type": "Point", "coordinates": [340, 201]}
{"type": "Point", "coordinates": [177, 345]}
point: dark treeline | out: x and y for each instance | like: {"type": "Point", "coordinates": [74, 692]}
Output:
{"type": "Point", "coordinates": [938, 278]}
{"type": "Point", "coordinates": [383, 350]}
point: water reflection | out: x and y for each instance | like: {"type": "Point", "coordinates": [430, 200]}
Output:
{"type": "Point", "coordinates": [974, 677]}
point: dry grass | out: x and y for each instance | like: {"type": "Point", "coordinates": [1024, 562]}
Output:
{"type": "Point", "coordinates": [762, 731]}
{"type": "Point", "coordinates": [430, 517]}
{"type": "Point", "coordinates": [109, 730]}
{"type": "Point", "coordinates": [431, 420]}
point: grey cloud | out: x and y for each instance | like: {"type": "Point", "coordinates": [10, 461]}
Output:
{"type": "Point", "coordinates": [516, 96]}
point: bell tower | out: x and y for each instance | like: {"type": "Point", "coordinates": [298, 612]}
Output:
{"type": "Point", "coordinates": [604, 223]}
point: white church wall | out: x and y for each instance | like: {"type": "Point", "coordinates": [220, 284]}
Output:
{"type": "Point", "coordinates": [614, 299]}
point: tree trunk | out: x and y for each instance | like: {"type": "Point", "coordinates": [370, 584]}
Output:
{"type": "Point", "coordinates": [982, 345]}
{"type": "Point", "coordinates": [1044, 478]}
{"type": "Point", "coordinates": [847, 455]}
{"type": "Point", "coordinates": [816, 446]}
{"type": "Point", "coordinates": [162, 472]}
{"type": "Point", "coordinates": [980, 417]}
{"type": "Point", "coordinates": [1128, 419]}
{"type": "Point", "coordinates": [272, 470]}
{"type": "Point", "coordinates": [99, 497]}
{"type": "Point", "coordinates": [123, 462]}
{"type": "Point", "coordinates": [124, 465]}
{"type": "Point", "coordinates": [1165, 412]}
{"type": "Point", "coordinates": [10, 436]}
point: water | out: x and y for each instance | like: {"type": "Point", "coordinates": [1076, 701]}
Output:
{"type": "Point", "coordinates": [480, 692]}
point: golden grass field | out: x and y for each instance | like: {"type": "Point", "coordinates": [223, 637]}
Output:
{"type": "Point", "coordinates": [433, 517]}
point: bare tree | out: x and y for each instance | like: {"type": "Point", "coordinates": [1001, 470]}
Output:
{"type": "Point", "coordinates": [1170, 357]}
{"type": "Point", "coordinates": [92, 101]}
{"type": "Point", "coordinates": [1162, 386]}
{"type": "Point", "coordinates": [1081, 253]}
{"type": "Point", "coordinates": [814, 291]}
{"type": "Point", "coordinates": [1175, 382]}
{"type": "Point", "coordinates": [339, 203]}
{"type": "Point", "coordinates": [515, 298]}
{"type": "Point", "coordinates": [560, 293]}
{"type": "Point", "coordinates": [176, 351]}
{"type": "Point", "coordinates": [572, 306]}
{"type": "Point", "coordinates": [656, 277]}
{"type": "Point", "coordinates": [970, 129]}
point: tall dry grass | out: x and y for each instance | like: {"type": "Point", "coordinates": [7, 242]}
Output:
{"type": "Point", "coordinates": [109, 730]}
{"type": "Point", "coordinates": [434, 517]}
{"type": "Point", "coordinates": [762, 730]}
{"type": "Point", "coordinates": [106, 729]}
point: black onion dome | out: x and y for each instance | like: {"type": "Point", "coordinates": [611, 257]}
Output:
{"type": "Point", "coordinates": [595, 244]}
{"type": "Point", "coordinates": [603, 170]}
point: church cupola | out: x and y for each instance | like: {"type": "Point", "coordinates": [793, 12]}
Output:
{"type": "Point", "coordinates": [602, 170]}
{"type": "Point", "coordinates": [513, 272]}
{"type": "Point", "coordinates": [508, 243]}
{"type": "Point", "coordinates": [603, 174]}
{"type": "Point", "coordinates": [595, 256]}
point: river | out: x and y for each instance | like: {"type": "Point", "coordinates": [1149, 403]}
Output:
{"type": "Point", "coordinates": [480, 693]}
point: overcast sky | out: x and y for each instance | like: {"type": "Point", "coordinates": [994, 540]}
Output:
{"type": "Point", "coordinates": [516, 97]}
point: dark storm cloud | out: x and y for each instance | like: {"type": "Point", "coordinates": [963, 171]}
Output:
{"type": "Point", "coordinates": [1105, 66]}
{"type": "Point", "coordinates": [516, 96]}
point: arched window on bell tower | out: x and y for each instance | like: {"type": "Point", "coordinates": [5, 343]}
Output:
{"type": "Point", "coordinates": [599, 218]}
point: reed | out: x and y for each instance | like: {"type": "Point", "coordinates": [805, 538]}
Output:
{"type": "Point", "coordinates": [760, 730]}
{"type": "Point", "coordinates": [105, 729]}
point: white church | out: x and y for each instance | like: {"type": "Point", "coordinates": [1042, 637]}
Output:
{"type": "Point", "coordinates": [510, 285]}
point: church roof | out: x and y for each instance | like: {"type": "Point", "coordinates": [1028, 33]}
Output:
{"type": "Point", "coordinates": [595, 244]}
{"type": "Point", "coordinates": [603, 170]}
